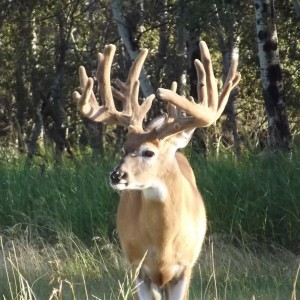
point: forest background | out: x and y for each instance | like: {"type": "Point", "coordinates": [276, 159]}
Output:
{"type": "Point", "coordinates": [56, 207]}
{"type": "Point", "coordinates": [43, 43]}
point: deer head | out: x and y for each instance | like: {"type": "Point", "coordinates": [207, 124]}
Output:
{"type": "Point", "coordinates": [149, 146]}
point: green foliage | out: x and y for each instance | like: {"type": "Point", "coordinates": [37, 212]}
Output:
{"type": "Point", "coordinates": [42, 41]}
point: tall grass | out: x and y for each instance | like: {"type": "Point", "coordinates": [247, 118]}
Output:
{"type": "Point", "coordinates": [256, 198]}
{"type": "Point", "coordinates": [58, 241]}
{"type": "Point", "coordinates": [31, 269]}
{"type": "Point", "coordinates": [76, 197]}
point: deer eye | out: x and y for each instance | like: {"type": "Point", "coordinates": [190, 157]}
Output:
{"type": "Point", "coordinates": [148, 153]}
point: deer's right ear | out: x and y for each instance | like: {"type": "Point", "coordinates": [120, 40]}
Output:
{"type": "Point", "coordinates": [181, 139]}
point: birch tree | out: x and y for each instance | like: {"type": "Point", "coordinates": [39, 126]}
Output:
{"type": "Point", "coordinates": [271, 75]}
{"type": "Point", "coordinates": [131, 47]}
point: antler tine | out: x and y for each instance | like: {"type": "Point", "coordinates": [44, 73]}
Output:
{"type": "Point", "coordinates": [87, 102]}
{"type": "Point", "coordinates": [83, 82]}
{"type": "Point", "coordinates": [139, 111]}
{"type": "Point", "coordinates": [103, 76]}
{"type": "Point", "coordinates": [210, 106]}
{"type": "Point", "coordinates": [137, 65]}
{"type": "Point", "coordinates": [125, 91]}
{"type": "Point", "coordinates": [132, 114]}
{"type": "Point", "coordinates": [171, 108]}
{"type": "Point", "coordinates": [206, 77]}
{"type": "Point", "coordinates": [85, 106]}
{"type": "Point", "coordinates": [232, 80]}
{"type": "Point", "coordinates": [128, 93]}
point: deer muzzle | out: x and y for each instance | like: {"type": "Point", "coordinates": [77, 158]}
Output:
{"type": "Point", "coordinates": [118, 177]}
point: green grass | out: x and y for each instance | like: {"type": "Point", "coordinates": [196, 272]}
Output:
{"type": "Point", "coordinates": [256, 198]}
{"type": "Point", "coordinates": [57, 226]}
{"type": "Point", "coordinates": [76, 198]}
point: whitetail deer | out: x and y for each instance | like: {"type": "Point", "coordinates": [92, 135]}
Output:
{"type": "Point", "coordinates": [161, 218]}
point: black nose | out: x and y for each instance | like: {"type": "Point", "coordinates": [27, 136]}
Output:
{"type": "Point", "coordinates": [116, 176]}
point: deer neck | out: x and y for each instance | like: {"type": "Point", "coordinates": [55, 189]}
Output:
{"type": "Point", "coordinates": [162, 205]}
{"type": "Point", "coordinates": [164, 188]}
{"type": "Point", "coordinates": [158, 192]}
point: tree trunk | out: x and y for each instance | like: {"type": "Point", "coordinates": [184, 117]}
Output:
{"type": "Point", "coordinates": [35, 134]}
{"type": "Point", "coordinates": [161, 55]}
{"type": "Point", "coordinates": [180, 48]}
{"type": "Point", "coordinates": [278, 126]}
{"type": "Point", "coordinates": [229, 46]}
{"type": "Point", "coordinates": [164, 39]}
{"type": "Point", "coordinates": [58, 133]}
{"type": "Point", "coordinates": [22, 43]}
{"type": "Point", "coordinates": [297, 9]}
{"type": "Point", "coordinates": [65, 25]}
{"type": "Point", "coordinates": [94, 130]}
{"type": "Point", "coordinates": [36, 98]}
{"type": "Point", "coordinates": [131, 47]}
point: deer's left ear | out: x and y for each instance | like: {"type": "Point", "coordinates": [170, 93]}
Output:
{"type": "Point", "coordinates": [181, 139]}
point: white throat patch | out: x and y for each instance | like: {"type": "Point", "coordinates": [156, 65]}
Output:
{"type": "Point", "coordinates": [156, 192]}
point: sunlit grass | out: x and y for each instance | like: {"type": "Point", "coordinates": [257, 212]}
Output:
{"type": "Point", "coordinates": [71, 270]}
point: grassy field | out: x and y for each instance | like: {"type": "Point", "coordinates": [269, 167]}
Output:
{"type": "Point", "coordinates": [58, 238]}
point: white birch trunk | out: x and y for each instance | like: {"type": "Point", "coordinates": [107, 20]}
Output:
{"type": "Point", "coordinates": [116, 7]}
{"type": "Point", "coordinates": [266, 33]}
{"type": "Point", "coordinates": [279, 133]}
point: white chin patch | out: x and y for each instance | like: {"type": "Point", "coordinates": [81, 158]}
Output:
{"type": "Point", "coordinates": [124, 185]}
{"type": "Point", "coordinates": [119, 186]}
{"type": "Point", "coordinates": [156, 192]}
